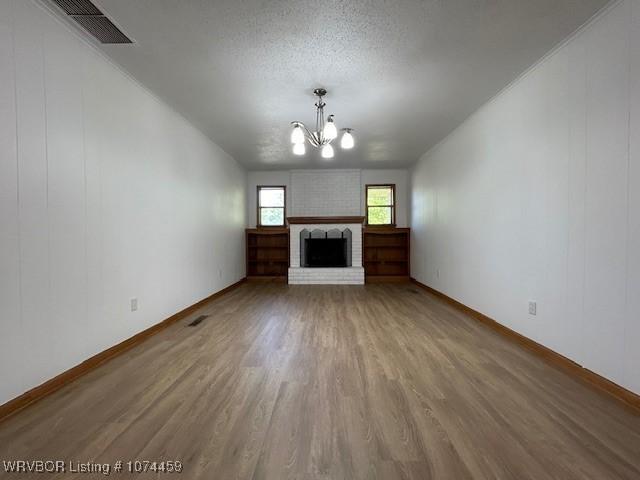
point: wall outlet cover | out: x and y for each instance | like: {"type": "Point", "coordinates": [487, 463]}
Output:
{"type": "Point", "coordinates": [533, 308]}
{"type": "Point", "coordinates": [134, 304]}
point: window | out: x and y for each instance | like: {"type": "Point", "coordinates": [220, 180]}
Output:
{"type": "Point", "coordinates": [271, 206]}
{"type": "Point", "coordinates": [381, 205]}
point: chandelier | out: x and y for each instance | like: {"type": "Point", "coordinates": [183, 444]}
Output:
{"type": "Point", "coordinates": [324, 133]}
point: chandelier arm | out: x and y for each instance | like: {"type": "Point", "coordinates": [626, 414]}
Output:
{"type": "Point", "coordinates": [308, 134]}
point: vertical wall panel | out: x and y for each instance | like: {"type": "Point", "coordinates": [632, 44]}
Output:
{"type": "Point", "coordinates": [93, 142]}
{"type": "Point", "coordinates": [418, 216]}
{"type": "Point", "coordinates": [66, 191]}
{"type": "Point", "coordinates": [10, 321]}
{"type": "Point", "coordinates": [632, 335]}
{"type": "Point", "coordinates": [577, 105]}
{"type": "Point", "coordinates": [606, 191]}
{"type": "Point", "coordinates": [32, 161]}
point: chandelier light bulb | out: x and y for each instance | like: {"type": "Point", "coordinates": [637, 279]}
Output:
{"type": "Point", "coordinates": [347, 140]}
{"type": "Point", "coordinates": [298, 149]}
{"type": "Point", "coordinates": [297, 135]}
{"type": "Point", "coordinates": [327, 151]}
{"type": "Point", "coordinates": [330, 130]}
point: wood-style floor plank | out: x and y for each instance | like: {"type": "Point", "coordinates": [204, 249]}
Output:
{"type": "Point", "coordinates": [332, 382]}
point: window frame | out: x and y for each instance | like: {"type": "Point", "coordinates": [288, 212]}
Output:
{"type": "Point", "coordinates": [392, 186]}
{"type": "Point", "coordinates": [259, 208]}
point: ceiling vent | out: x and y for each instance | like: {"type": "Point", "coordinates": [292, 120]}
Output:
{"type": "Point", "coordinates": [91, 19]}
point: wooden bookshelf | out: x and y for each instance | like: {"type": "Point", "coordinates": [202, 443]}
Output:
{"type": "Point", "coordinates": [267, 253]}
{"type": "Point", "coordinates": [386, 253]}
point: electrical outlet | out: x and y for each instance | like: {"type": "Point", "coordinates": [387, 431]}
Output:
{"type": "Point", "coordinates": [134, 304]}
{"type": "Point", "coordinates": [533, 308]}
{"type": "Point", "coordinates": [438, 274]}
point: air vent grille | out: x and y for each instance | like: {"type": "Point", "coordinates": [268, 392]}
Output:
{"type": "Point", "coordinates": [102, 28]}
{"type": "Point", "coordinates": [78, 7]}
{"type": "Point", "coordinates": [89, 17]}
{"type": "Point", "coordinates": [197, 321]}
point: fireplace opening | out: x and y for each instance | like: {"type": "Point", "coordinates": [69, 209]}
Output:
{"type": "Point", "coordinates": [325, 252]}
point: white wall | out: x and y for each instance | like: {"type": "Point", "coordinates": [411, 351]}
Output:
{"type": "Point", "coordinates": [302, 201]}
{"type": "Point", "coordinates": [537, 197]}
{"type": "Point", "coordinates": [105, 194]}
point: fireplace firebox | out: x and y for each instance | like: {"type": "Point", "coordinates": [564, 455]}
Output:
{"type": "Point", "coordinates": [325, 252]}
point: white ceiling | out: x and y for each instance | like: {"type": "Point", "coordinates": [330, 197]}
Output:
{"type": "Point", "coordinates": [401, 73]}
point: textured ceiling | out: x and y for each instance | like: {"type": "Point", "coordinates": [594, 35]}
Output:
{"type": "Point", "coordinates": [401, 73]}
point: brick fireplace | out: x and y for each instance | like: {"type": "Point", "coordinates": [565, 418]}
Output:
{"type": "Point", "coordinates": [331, 228]}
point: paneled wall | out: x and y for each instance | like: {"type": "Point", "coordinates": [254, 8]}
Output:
{"type": "Point", "coordinates": [106, 194]}
{"type": "Point", "coordinates": [536, 197]}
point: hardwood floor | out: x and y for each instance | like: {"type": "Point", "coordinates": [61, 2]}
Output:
{"type": "Point", "coordinates": [332, 382]}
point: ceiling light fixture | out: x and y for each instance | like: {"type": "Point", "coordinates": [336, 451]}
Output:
{"type": "Point", "coordinates": [327, 151]}
{"type": "Point", "coordinates": [325, 132]}
{"type": "Point", "coordinates": [347, 139]}
{"type": "Point", "coordinates": [298, 149]}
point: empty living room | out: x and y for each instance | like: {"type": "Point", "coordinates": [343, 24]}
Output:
{"type": "Point", "coordinates": [363, 239]}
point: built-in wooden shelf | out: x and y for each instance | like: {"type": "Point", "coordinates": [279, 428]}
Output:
{"type": "Point", "coordinates": [267, 253]}
{"type": "Point", "coordinates": [386, 253]}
